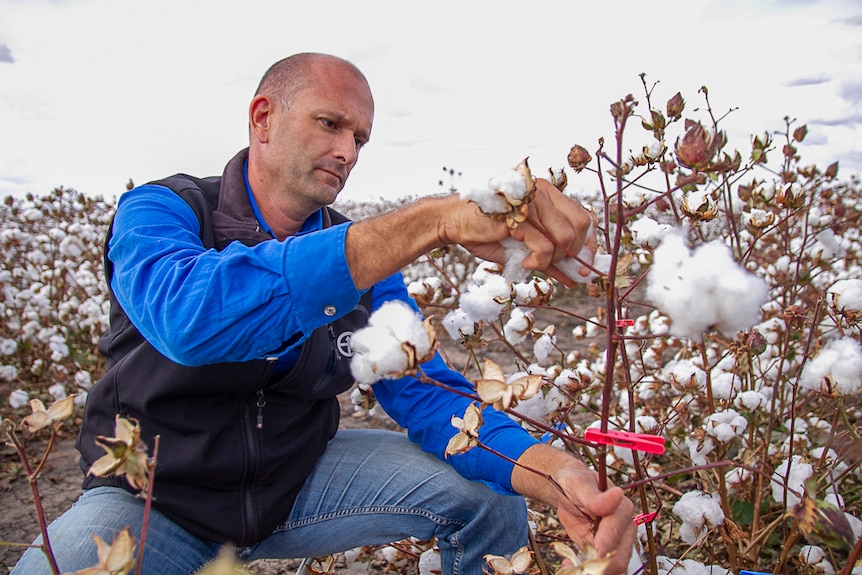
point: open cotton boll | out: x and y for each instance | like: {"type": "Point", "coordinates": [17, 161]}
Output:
{"type": "Point", "coordinates": [647, 232]}
{"type": "Point", "coordinates": [846, 295]}
{"type": "Point", "coordinates": [815, 557]}
{"type": "Point", "coordinates": [543, 346]}
{"type": "Point", "coordinates": [840, 361]}
{"type": "Point", "coordinates": [725, 425]}
{"type": "Point", "coordinates": [799, 474]}
{"type": "Point", "coordinates": [404, 323]}
{"type": "Point", "coordinates": [458, 325]}
{"type": "Point", "coordinates": [698, 510]}
{"type": "Point", "coordinates": [377, 353]}
{"type": "Point", "coordinates": [485, 302]}
{"type": "Point", "coordinates": [669, 566]}
{"type": "Point", "coordinates": [705, 289]}
{"type": "Point", "coordinates": [493, 198]}
{"type": "Point", "coordinates": [378, 350]}
{"type": "Point", "coordinates": [518, 327]}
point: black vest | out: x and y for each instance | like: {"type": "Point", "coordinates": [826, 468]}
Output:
{"type": "Point", "coordinates": [220, 475]}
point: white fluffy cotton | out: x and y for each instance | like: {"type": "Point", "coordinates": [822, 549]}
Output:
{"type": "Point", "coordinates": [485, 302]}
{"type": "Point", "coordinates": [378, 350]}
{"type": "Point", "coordinates": [725, 425]}
{"type": "Point", "coordinates": [703, 289]}
{"type": "Point", "coordinates": [697, 511]}
{"type": "Point", "coordinates": [799, 473]}
{"type": "Point", "coordinates": [841, 362]}
{"type": "Point", "coordinates": [494, 198]}
{"type": "Point", "coordinates": [846, 295]}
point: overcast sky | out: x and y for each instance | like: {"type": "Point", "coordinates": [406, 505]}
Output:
{"type": "Point", "coordinates": [95, 92]}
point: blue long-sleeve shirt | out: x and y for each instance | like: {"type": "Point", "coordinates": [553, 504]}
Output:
{"type": "Point", "coordinates": [199, 306]}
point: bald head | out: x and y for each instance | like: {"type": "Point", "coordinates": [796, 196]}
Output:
{"type": "Point", "coordinates": [292, 74]}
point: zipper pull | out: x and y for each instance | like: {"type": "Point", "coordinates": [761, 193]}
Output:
{"type": "Point", "coordinates": [260, 403]}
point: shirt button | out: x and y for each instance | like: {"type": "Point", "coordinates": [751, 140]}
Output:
{"type": "Point", "coordinates": [329, 310]}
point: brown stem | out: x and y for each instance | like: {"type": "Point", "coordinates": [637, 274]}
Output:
{"type": "Point", "coordinates": [37, 499]}
{"type": "Point", "coordinates": [151, 476]}
{"type": "Point", "coordinates": [48, 449]}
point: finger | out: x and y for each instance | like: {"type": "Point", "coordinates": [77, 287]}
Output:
{"type": "Point", "coordinates": [558, 216]}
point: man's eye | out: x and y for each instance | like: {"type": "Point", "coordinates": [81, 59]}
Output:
{"type": "Point", "coordinates": [328, 123]}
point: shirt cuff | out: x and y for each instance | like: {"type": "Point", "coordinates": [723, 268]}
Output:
{"type": "Point", "coordinates": [318, 277]}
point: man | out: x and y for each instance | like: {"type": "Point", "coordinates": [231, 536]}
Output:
{"type": "Point", "coordinates": [230, 299]}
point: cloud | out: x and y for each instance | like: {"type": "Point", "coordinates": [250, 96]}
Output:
{"type": "Point", "coordinates": [849, 120]}
{"type": "Point", "coordinates": [6, 54]}
{"type": "Point", "coordinates": [808, 81]}
{"type": "Point", "coordinates": [852, 20]}
{"type": "Point", "coordinates": [852, 92]}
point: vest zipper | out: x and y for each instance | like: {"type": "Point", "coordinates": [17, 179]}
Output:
{"type": "Point", "coordinates": [251, 430]}
{"type": "Point", "coordinates": [261, 401]}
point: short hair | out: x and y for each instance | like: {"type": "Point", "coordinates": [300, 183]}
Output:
{"type": "Point", "coordinates": [290, 75]}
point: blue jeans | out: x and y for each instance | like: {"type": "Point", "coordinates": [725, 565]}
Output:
{"type": "Point", "coordinates": [371, 487]}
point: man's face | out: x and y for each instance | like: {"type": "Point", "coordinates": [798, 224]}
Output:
{"type": "Point", "coordinates": [316, 140]}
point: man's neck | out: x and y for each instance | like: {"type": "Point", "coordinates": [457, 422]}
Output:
{"type": "Point", "coordinates": [279, 215]}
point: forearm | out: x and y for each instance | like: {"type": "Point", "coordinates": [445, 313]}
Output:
{"type": "Point", "coordinates": [378, 247]}
{"type": "Point", "coordinates": [529, 477]}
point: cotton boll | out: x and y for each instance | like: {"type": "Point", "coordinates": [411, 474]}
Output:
{"type": "Point", "coordinates": [735, 478]}
{"type": "Point", "coordinates": [703, 290]}
{"type": "Point", "coordinates": [751, 400]}
{"type": "Point", "coordinates": [544, 346]}
{"type": "Point", "coordinates": [518, 327]}
{"type": "Point", "coordinates": [799, 473]}
{"type": "Point", "coordinates": [429, 562]}
{"type": "Point", "coordinates": [724, 385]}
{"type": "Point", "coordinates": [846, 295]}
{"type": "Point", "coordinates": [485, 302]}
{"type": "Point", "coordinates": [376, 353]}
{"type": "Point", "coordinates": [725, 425]}
{"type": "Point", "coordinates": [18, 398]}
{"type": "Point", "coordinates": [458, 325]}
{"type": "Point", "coordinates": [699, 449]}
{"type": "Point", "coordinates": [816, 557]}
{"type": "Point", "coordinates": [841, 362]}
{"type": "Point", "coordinates": [647, 232]}
{"type": "Point", "coordinates": [697, 511]}
{"type": "Point", "coordinates": [57, 391]}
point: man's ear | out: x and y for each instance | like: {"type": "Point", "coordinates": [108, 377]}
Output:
{"type": "Point", "coordinates": [259, 117]}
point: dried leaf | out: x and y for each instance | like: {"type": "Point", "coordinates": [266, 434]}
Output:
{"type": "Point", "coordinates": [126, 454]}
{"type": "Point", "coordinates": [118, 558]}
{"type": "Point", "coordinates": [521, 561]}
{"type": "Point", "coordinates": [41, 418]}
